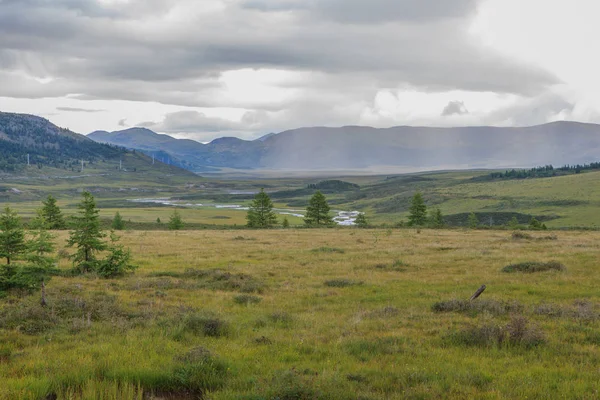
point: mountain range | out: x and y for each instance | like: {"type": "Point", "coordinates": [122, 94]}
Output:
{"type": "Point", "coordinates": [402, 148]}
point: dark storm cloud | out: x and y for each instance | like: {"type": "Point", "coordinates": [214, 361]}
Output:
{"type": "Point", "coordinates": [174, 52]}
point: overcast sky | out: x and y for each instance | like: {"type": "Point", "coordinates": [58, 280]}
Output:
{"type": "Point", "coordinates": [208, 68]}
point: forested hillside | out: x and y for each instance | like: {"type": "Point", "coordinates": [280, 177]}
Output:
{"type": "Point", "coordinates": [46, 144]}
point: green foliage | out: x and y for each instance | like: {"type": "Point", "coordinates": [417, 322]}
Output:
{"type": "Point", "coordinates": [418, 211]}
{"type": "Point", "coordinates": [118, 224]}
{"type": "Point", "coordinates": [514, 223]}
{"type": "Point", "coordinates": [534, 266]}
{"type": "Point", "coordinates": [25, 277]}
{"type": "Point", "coordinates": [86, 235]}
{"type": "Point", "coordinates": [260, 214]}
{"type": "Point", "coordinates": [473, 222]}
{"type": "Point", "coordinates": [361, 221]}
{"type": "Point", "coordinates": [437, 219]}
{"type": "Point", "coordinates": [175, 221]}
{"type": "Point", "coordinates": [12, 236]}
{"type": "Point", "coordinates": [536, 225]}
{"type": "Point", "coordinates": [158, 221]}
{"type": "Point", "coordinates": [317, 212]}
{"type": "Point", "coordinates": [40, 245]}
{"type": "Point", "coordinates": [285, 223]}
{"type": "Point", "coordinates": [333, 185]}
{"type": "Point", "coordinates": [117, 262]}
{"type": "Point", "coordinates": [52, 214]}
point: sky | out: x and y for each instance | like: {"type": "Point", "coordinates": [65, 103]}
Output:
{"type": "Point", "coordinates": [203, 69]}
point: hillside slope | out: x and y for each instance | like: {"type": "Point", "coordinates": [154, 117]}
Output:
{"type": "Point", "coordinates": [404, 148]}
{"type": "Point", "coordinates": [32, 146]}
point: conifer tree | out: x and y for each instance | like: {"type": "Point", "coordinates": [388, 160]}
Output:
{"type": "Point", "coordinates": [285, 223]}
{"type": "Point", "coordinates": [260, 214]}
{"type": "Point", "coordinates": [437, 219]}
{"type": "Point", "coordinates": [175, 221]}
{"type": "Point", "coordinates": [361, 221]}
{"type": "Point", "coordinates": [52, 214]}
{"type": "Point", "coordinates": [514, 223]}
{"type": "Point", "coordinates": [418, 211]}
{"type": "Point", "coordinates": [86, 236]}
{"type": "Point", "coordinates": [40, 245]}
{"type": "Point", "coordinates": [118, 224]}
{"type": "Point", "coordinates": [12, 236]}
{"type": "Point", "coordinates": [317, 212]}
{"type": "Point", "coordinates": [473, 222]}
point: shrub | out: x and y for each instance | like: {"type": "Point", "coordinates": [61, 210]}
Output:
{"type": "Point", "coordinates": [518, 235]}
{"type": "Point", "coordinates": [532, 266]}
{"type": "Point", "coordinates": [328, 250]}
{"type": "Point", "coordinates": [518, 332]}
{"type": "Point", "coordinates": [341, 283]}
{"type": "Point", "coordinates": [246, 299]}
{"type": "Point", "coordinates": [475, 307]}
{"type": "Point", "coordinates": [117, 262]}
{"type": "Point", "coordinates": [207, 326]}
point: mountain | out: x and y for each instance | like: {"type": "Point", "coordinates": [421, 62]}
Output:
{"type": "Point", "coordinates": [227, 152]}
{"type": "Point", "coordinates": [47, 148]}
{"type": "Point", "coordinates": [403, 148]}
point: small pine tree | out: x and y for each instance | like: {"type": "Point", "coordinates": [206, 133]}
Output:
{"type": "Point", "coordinates": [52, 214]}
{"type": "Point", "coordinates": [317, 212]}
{"type": "Point", "coordinates": [175, 221]}
{"type": "Point", "coordinates": [437, 219]}
{"type": "Point", "coordinates": [473, 222]}
{"type": "Point", "coordinates": [40, 245]}
{"type": "Point", "coordinates": [118, 224]}
{"type": "Point", "coordinates": [418, 211]}
{"type": "Point", "coordinates": [514, 223]}
{"type": "Point", "coordinates": [285, 223]}
{"type": "Point", "coordinates": [12, 236]}
{"type": "Point", "coordinates": [86, 235]}
{"type": "Point", "coordinates": [361, 221]}
{"type": "Point", "coordinates": [260, 214]}
{"type": "Point", "coordinates": [118, 260]}
{"type": "Point", "coordinates": [158, 221]}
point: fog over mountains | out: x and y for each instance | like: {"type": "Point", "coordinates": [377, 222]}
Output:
{"type": "Point", "coordinates": [402, 148]}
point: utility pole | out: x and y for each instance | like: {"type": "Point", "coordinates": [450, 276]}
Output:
{"type": "Point", "coordinates": [28, 160]}
{"type": "Point", "coordinates": [81, 165]}
{"type": "Point", "coordinates": [120, 164]}
{"type": "Point", "coordinates": [152, 158]}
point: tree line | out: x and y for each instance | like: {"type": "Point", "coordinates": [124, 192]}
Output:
{"type": "Point", "coordinates": [545, 171]}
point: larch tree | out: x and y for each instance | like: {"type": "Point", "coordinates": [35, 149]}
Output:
{"type": "Point", "coordinates": [12, 236]}
{"type": "Point", "coordinates": [260, 214]}
{"type": "Point", "coordinates": [52, 214]}
{"type": "Point", "coordinates": [418, 211]}
{"type": "Point", "coordinates": [317, 212]}
{"type": "Point", "coordinates": [87, 236]}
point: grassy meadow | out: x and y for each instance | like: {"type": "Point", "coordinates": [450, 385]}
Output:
{"type": "Point", "coordinates": [315, 314]}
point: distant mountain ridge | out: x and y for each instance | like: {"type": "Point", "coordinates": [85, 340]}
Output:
{"type": "Point", "coordinates": [357, 147]}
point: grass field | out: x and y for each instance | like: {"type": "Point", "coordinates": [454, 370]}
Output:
{"type": "Point", "coordinates": [315, 314]}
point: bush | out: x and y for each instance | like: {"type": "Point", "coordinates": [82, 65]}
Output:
{"type": "Point", "coordinates": [116, 263]}
{"type": "Point", "coordinates": [517, 332]}
{"type": "Point", "coordinates": [475, 307]}
{"type": "Point", "coordinates": [207, 326]}
{"type": "Point", "coordinates": [518, 235]}
{"type": "Point", "coordinates": [532, 266]}
{"type": "Point", "coordinates": [341, 283]}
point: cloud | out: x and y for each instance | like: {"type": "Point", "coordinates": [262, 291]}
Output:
{"type": "Point", "coordinates": [455, 108]}
{"type": "Point", "coordinates": [75, 109]}
{"type": "Point", "coordinates": [123, 122]}
{"type": "Point", "coordinates": [135, 50]}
